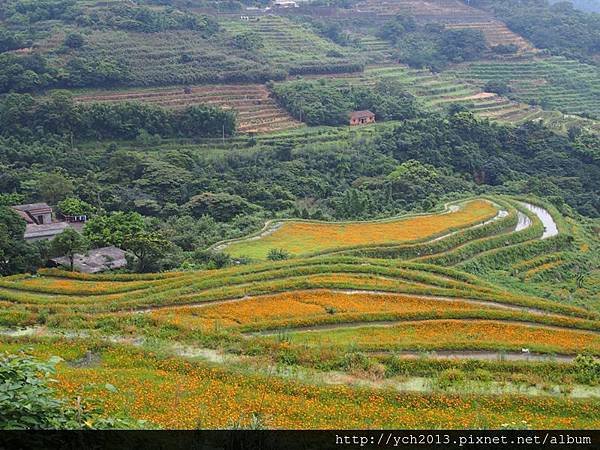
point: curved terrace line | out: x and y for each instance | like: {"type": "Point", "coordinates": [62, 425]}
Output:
{"type": "Point", "coordinates": [484, 355]}
{"type": "Point", "coordinates": [186, 351]}
{"type": "Point", "coordinates": [485, 304]}
{"type": "Point", "coordinates": [273, 225]}
{"type": "Point", "coordinates": [550, 226]}
{"type": "Point", "coordinates": [395, 323]}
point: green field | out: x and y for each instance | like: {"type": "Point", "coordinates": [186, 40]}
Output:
{"type": "Point", "coordinates": [554, 83]}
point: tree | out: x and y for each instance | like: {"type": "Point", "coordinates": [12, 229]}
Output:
{"type": "Point", "coordinates": [74, 40]}
{"type": "Point", "coordinates": [16, 255]}
{"type": "Point", "coordinates": [221, 206]}
{"type": "Point", "coordinates": [112, 229]}
{"type": "Point", "coordinates": [54, 187]}
{"type": "Point", "coordinates": [146, 247]}
{"type": "Point", "coordinates": [248, 41]}
{"type": "Point", "coordinates": [74, 206]}
{"type": "Point", "coordinates": [68, 243]}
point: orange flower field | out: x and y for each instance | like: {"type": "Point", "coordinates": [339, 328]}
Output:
{"type": "Point", "coordinates": [306, 308]}
{"type": "Point", "coordinates": [309, 237]}
{"type": "Point", "coordinates": [456, 334]}
{"type": "Point", "coordinates": [369, 339]}
{"type": "Point", "coordinates": [177, 394]}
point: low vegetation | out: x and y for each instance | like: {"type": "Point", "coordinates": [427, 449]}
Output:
{"type": "Point", "coordinates": [438, 268]}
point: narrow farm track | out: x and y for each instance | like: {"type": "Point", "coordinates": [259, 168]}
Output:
{"type": "Point", "coordinates": [487, 355]}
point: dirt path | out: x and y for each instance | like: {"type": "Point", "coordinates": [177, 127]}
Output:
{"type": "Point", "coordinates": [485, 355]}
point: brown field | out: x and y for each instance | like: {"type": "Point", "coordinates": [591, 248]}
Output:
{"type": "Point", "coordinates": [257, 111]}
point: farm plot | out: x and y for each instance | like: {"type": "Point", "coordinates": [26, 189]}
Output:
{"type": "Point", "coordinates": [452, 13]}
{"type": "Point", "coordinates": [323, 309]}
{"type": "Point", "coordinates": [497, 33]}
{"type": "Point", "coordinates": [178, 394]}
{"type": "Point", "coordinates": [256, 110]}
{"type": "Point", "coordinates": [454, 335]}
{"type": "Point", "coordinates": [299, 237]}
{"type": "Point", "coordinates": [294, 47]}
{"type": "Point", "coordinates": [554, 83]}
{"type": "Point", "coordinates": [439, 92]}
{"type": "Point", "coordinates": [177, 57]}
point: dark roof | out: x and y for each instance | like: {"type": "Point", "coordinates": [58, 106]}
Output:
{"type": "Point", "coordinates": [97, 260]}
{"type": "Point", "coordinates": [361, 114]}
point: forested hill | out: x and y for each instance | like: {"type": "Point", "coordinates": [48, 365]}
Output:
{"type": "Point", "coordinates": [584, 5]}
{"type": "Point", "coordinates": [559, 28]}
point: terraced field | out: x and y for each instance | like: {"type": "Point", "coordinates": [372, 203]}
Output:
{"type": "Point", "coordinates": [555, 83]}
{"type": "Point", "coordinates": [437, 92]}
{"type": "Point", "coordinates": [279, 335]}
{"type": "Point", "coordinates": [294, 47]}
{"type": "Point", "coordinates": [176, 57]}
{"type": "Point", "coordinates": [305, 237]}
{"type": "Point", "coordinates": [257, 111]}
{"type": "Point", "coordinates": [452, 13]}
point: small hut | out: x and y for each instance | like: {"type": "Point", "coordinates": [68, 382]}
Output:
{"type": "Point", "coordinates": [362, 117]}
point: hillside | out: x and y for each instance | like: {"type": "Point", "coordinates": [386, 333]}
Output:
{"type": "Point", "coordinates": [302, 312]}
{"type": "Point", "coordinates": [339, 214]}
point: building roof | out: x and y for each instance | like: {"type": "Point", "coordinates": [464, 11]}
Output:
{"type": "Point", "coordinates": [97, 260]}
{"type": "Point", "coordinates": [45, 231]}
{"type": "Point", "coordinates": [361, 114]}
{"type": "Point", "coordinates": [34, 208]}
{"type": "Point", "coordinates": [23, 215]}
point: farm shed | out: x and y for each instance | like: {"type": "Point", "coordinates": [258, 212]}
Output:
{"type": "Point", "coordinates": [35, 213]}
{"type": "Point", "coordinates": [95, 261]}
{"type": "Point", "coordinates": [362, 117]}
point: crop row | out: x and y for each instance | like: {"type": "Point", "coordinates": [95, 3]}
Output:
{"type": "Point", "coordinates": [314, 308]}
{"type": "Point", "coordinates": [329, 273]}
{"type": "Point", "coordinates": [257, 111]}
{"type": "Point", "coordinates": [454, 335]}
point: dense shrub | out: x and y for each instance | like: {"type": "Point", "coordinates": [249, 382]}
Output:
{"type": "Point", "coordinates": [22, 115]}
